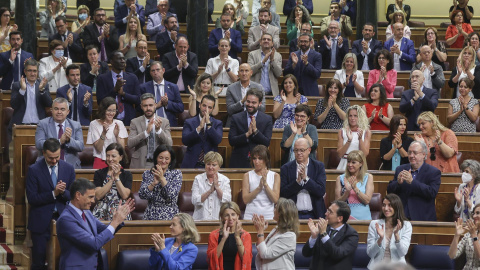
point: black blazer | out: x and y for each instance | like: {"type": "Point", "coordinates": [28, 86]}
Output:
{"type": "Point", "coordinates": [100, 175]}
{"type": "Point", "coordinates": [428, 103]}
{"type": "Point", "coordinates": [89, 79]}
{"type": "Point", "coordinates": [133, 66]}
{"type": "Point", "coordinates": [165, 44]}
{"type": "Point", "coordinates": [189, 74]}
{"type": "Point", "coordinates": [386, 146]}
{"type": "Point", "coordinates": [75, 51]}
{"type": "Point", "coordinates": [326, 53]}
{"type": "Point", "coordinates": [476, 87]}
{"type": "Point", "coordinates": [336, 253]}
{"type": "Point", "coordinates": [90, 37]}
{"type": "Point", "coordinates": [357, 49]}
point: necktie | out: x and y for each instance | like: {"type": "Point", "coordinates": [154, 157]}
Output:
{"type": "Point", "coordinates": [333, 60]}
{"type": "Point", "coordinates": [158, 97]}
{"type": "Point", "coordinates": [151, 143]}
{"type": "Point", "coordinates": [119, 100]}
{"type": "Point", "coordinates": [60, 133]}
{"type": "Point", "coordinates": [66, 48]}
{"type": "Point", "coordinates": [103, 55]}
{"type": "Point", "coordinates": [140, 63]}
{"type": "Point", "coordinates": [332, 233]}
{"type": "Point", "coordinates": [83, 216]}
{"type": "Point", "coordinates": [74, 104]}
{"type": "Point", "coordinates": [54, 176]}
{"type": "Point", "coordinates": [201, 156]}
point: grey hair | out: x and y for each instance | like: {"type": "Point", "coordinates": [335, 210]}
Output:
{"type": "Point", "coordinates": [423, 145]}
{"type": "Point", "coordinates": [474, 167]}
{"type": "Point", "coordinates": [335, 22]}
{"type": "Point", "coordinates": [147, 96]}
{"type": "Point", "coordinates": [60, 100]}
{"type": "Point", "coordinates": [31, 62]}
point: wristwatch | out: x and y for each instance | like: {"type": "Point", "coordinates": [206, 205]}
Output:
{"type": "Point", "coordinates": [305, 133]}
{"type": "Point", "coordinates": [323, 234]}
{"type": "Point", "coordinates": [475, 239]}
{"type": "Point", "coordinates": [209, 124]}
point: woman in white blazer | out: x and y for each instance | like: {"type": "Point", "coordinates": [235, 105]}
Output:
{"type": "Point", "coordinates": [53, 67]}
{"type": "Point", "coordinates": [389, 237]}
{"type": "Point", "coordinates": [350, 77]}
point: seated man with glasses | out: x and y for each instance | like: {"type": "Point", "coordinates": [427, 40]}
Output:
{"type": "Point", "coordinates": [304, 181]}
{"type": "Point", "coordinates": [307, 29]}
{"type": "Point", "coordinates": [417, 184]}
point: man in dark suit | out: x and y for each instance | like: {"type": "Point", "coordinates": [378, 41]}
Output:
{"type": "Point", "coordinates": [156, 15]}
{"type": "Point", "coordinates": [102, 35]}
{"type": "Point", "coordinates": [304, 178]}
{"type": "Point", "coordinates": [126, 12]}
{"type": "Point", "coordinates": [12, 62]}
{"type": "Point", "coordinates": [417, 100]}
{"type": "Point", "coordinates": [71, 41]}
{"type": "Point", "coordinates": [181, 66]}
{"type": "Point", "coordinates": [332, 242]}
{"type": "Point", "coordinates": [201, 134]}
{"type": "Point", "coordinates": [90, 70]}
{"type": "Point", "coordinates": [225, 32]}
{"type": "Point", "coordinates": [417, 184]}
{"type": "Point", "coordinates": [79, 96]}
{"type": "Point", "coordinates": [248, 129]}
{"type": "Point", "coordinates": [306, 28]}
{"type": "Point", "coordinates": [140, 64]}
{"type": "Point", "coordinates": [333, 48]}
{"type": "Point", "coordinates": [366, 48]}
{"type": "Point", "coordinates": [165, 41]}
{"type": "Point", "coordinates": [306, 65]}
{"type": "Point", "coordinates": [168, 100]}
{"type": "Point", "coordinates": [402, 49]}
{"type": "Point", "coordinates": [47, 184]}
{"type": "Point", "coordinates": [122, 86]}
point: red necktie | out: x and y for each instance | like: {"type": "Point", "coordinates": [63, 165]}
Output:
{"type": "Point", "coordinates": [83, 216]}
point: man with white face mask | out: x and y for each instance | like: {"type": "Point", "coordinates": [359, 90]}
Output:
{"type": "Point", "coordinates": [468, 193]}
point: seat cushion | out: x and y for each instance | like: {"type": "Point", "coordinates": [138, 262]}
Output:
{"type": "Point", "coordinates": [133, 259]}
{"type": "Point", "coordinates": [360, 258]}
{"type": "Point", "coordinates": [201, 260]}
{"type": "Point", "coordinates": [421, 257]}
{"type": "Point", "coordinates": [301, 262]}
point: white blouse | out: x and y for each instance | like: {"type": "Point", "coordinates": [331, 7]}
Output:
{"type": "Point", "coordinates": [95, 131]}
{"type": "Point", "coordinates": [222, 78]}
{"type": "Point", "coordinates": [341, 75]}
{"type": "Point", "coordinates": [210, 208]}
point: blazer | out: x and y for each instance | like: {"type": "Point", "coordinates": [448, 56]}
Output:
{"type": "Point", "coordinates": [133, 66]}
{"type": "Point", "coordinates": [189, 74]}
{"type": "Point", "coordinates": [89, 79]}
{"type": "Point", "coordinates": [357, 49]}
{"type": "Point", "coordinates": [336, 253]}
{"type": "Point", "coordinates": [84, 112]}
{"type": "Point", "coordinates": [277, 251]}
{"type": "Point", "coordinates": [397, 250]}
{"type": "Point", "coordinates": [122, 12]}
{"type": "Point", "coordinates": [293, 45]}
{"type": "Point", "coordinates": [75, 50]}
{"type": "Point", "coordinates": [48, 24]}
{"type": "Point", "coordinates": [7, 70]}
{"type": "Point", "coordinates": [215, 262]}
{"type": "Point", "coordinates": [316, 185]}
{"type": "Point", "coordinates": [242, 145]}
{"type": "Point", "coordinates": [106, 88]}
{"type": "Point", "coordinates": [55, 80]}
{"type": "Point", "coordinates": [138, 143]}
{"type": "Point", "coordinates": [39, 189]}
{"type": "Point", "coordinates": [235, 42]}
{"type": "Point", "coordinates": [389, 83]}
{"type": "Point", "coordinates": [438, 79]}
{"type": "Point", "coordinates": [182, 258]}
{"type": "Point", "coordinates": [164, 43]}
{"type": "Point", "coordinates": [90, 37]}
{"type": "Point", "coordinates": [195, 143]}
{"type": "Point", "coordinates": [234, 98]}
{"type": "Point", "coordinates": [287, 132]}
{"type": "Point", "coordinates": [155, 22]}
{"type": "Point", "coordinates": [289, 5]}
{"type": "Point", "coordinates": [476, 87]}
{"type": "Point", "coordinates": [327, 53]}
{"type": "Point", "coordinates": [418, 198]}
{"type": "Point", "coordinates": [47, 129]}
{"type": "Point", "coordinates": [428, 103]}
{"type": "Point", "coordinates": [175, 104]}
{"type": "Point", "coordinates": [306, 75]}
{"type": "Point", "coordinates": [274, 70]}
{"type": "Point", "coordinates": [408, 52]}
{"type": "Point", "coordinates": [80, 243]}
{"type": "Point", "coordinates": [255, 35]}
{"type": "Point", "coordinates": [345, 28]}
{"type": "Point", "coordinates": [274, 21]}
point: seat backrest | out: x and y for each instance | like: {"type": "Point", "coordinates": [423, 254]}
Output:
{"type": "Point", "coordinates": [30, 155]}
{"type": "Point", "coordinates": [301, 262]}
{"type": "Point", "coordinates": [104, 255]}
{"type": "Point", "coordinates": [185, 202]}
{"type": "Point", "coordinates": [331, 158]}
{"type": "Point", "coordinates": [375, 205]}
{"type": "Point", "coordinates": [201, 260]}
{"type": "Point", "coordinates": [397, 92]}
{"type": "Point", "coordinates": [140, 206]}
{"type": "Point", "coordinates": [423, 257]}
{"type": "Point", "coordinates": [477, 124]}
{"type": "Point", "coordinates": [241, 203]}
{"type": "Point", "coordinates": [447, 65]}
{"type": "Point", "coordinates": [181, 117]}
{"type": "Point", "coordinates": [284, 63]}
{"type": "Point", "coordinates": [416, 24]}
{"type": "Point", "coordinates": [133, 259]}
{"type": "Point", "coordinates": [86, 157]}
{"type": "Point", "coordinates": [373, 159]}
{"type": "Point", "coordinates": [360, 257]}
{"type": "Point", "coordinates": [321, 90]}
{"type": "Point", "coordinates": [179, 154]}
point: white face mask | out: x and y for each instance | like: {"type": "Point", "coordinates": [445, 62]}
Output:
{"type": "Point", "coordinates": [466, 177]}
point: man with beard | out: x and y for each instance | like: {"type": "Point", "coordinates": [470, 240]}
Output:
{"type": "Point", "coordinates": [12, 62]}
{"type": "Point", "coordinates": [225, 31]}
{"type": "Point", "coordinates": [101, 34]}
{"type": "Point", "coordinates": [165, 41]}
{"type": "Point", "coordinates": [255, 33]}
{"type": "Point", "coordinates": [366, 48]}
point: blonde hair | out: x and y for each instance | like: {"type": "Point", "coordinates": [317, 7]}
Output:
{"type": "Point", "coordinates": [128, 35]}
{"type": "Point", "coordinates": [404, 22]}
{"type": "Point", "coordinates": [213, 157]}
{"type": "Point", "coordinates": [83, 7]}
{"type": "Point", "coordinates": [355, 62]}
{"type": "Point", "coordinates": [362, 118]}
{"type": "Point", "coordinates": [359, 156]}
{"type": "Point", "coordinates": [227, 205]}
{"type": "Point", "coordinates": [432, 118]}
{"type": "Point", "coordinates": [190, 233]}
{"type": "Point", "coordinates": [287, 216]}
{"type": "Point", "coordinates": [60, 6]}
{"type": "Point", "coordinates": [460, 57]}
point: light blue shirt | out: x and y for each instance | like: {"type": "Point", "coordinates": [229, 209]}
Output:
{"type": "Point", "coordinates": [265, 79]}
{"type": "Point", "coordinates": [31, 114]}
{"type": "Point", "coordinates": [249, 120]}
{"type": "Point", "coordinates": [120, 116]}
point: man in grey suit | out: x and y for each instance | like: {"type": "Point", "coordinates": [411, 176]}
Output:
{"type": "Point", "coordinates": [274, 17]}
{"type": "Point", "coordinates": [237, 92]}
{"type": "Point", "coordinates": [68, 132]}
{"type": "Point", "coordinates": [432, 72]}
{"type": "Point", "coordinates": [147, 132]}
{"type": "Point", "coordinates": [255, 33]}
{"type": "Point", "coordinates": [266, 65]}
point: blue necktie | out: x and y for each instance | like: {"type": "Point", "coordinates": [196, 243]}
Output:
{"type": "Point", "coordinates": [159, 96]}
{"type": "Point", "coordinates": [54, 176]}
{"type": "Point", "coordinates": [333, 60]}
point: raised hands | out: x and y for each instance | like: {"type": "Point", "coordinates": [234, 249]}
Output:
{"type": "Point", "coordinates": [157, 174]}
{"type": "Point", "coordinates": [23, 83]}
{"type": "Point", "coordinates": [260, 223]}
{"type": "Point", "coordinates": [293, 126]}
{"type": "Point", "coordinates": [327, 40]}
{"type": "Point", "coordinates": [60, 188]}
{"type": "Point", "coordinates": [194, 95]}
{"type": "Point", "coordinates": [459, 228]}
{"type": "Point", "coordinates": [380, 230]}
{"type": "Point", "coordinates": [116, 130]}
{"type": "Point", "coordinates": [458, 196]}
{"type": "Point", "coordinates": [158, 241]}
{"type": "Point", "coordinates": [314, 230]}
{"type": "Point", "coordinates": [294, 58]}
{"type": "Point", "coordinates": [86, 97]}
{"type": "Point", "coordinates": [122, 212]}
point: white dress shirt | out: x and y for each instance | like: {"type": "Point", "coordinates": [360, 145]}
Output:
{"type": "Point", "coordinates": [210, 208]}
{"type": "Point", "coordinates": [304, 201]}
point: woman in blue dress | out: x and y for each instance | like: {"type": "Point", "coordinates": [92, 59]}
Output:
{"type": "Point", "coordinates": [285, 103]}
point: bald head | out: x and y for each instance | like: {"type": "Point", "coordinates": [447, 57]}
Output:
{"type": "Point", "coordinates": [426, 54]}
{"type": "Point", "coordinates": [398, 31]}
{"type": "Point", "coordinates": [302, 150]}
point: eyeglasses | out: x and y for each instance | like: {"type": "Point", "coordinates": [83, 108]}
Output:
{"type": "Point", "coordinates": [432, 153]}
{"type": "Point", "coordinates": [298, 150]}
{"type": "Point", "coordinates": [300, 116]}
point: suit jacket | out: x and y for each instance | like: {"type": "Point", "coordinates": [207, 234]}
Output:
{"type": "Point", "coordinates": [175, 104]}
{"type": "Point", "coordinates": [418, 198]}
{"type": "Point", "coordinates": [39, 189]}
{"type": "Point", "coordinates": [274, 70]}
{"type": "Point", "coordinates": [155, 22]}
{"type": "Point", "coordinates": [178, 260]}
{"type": "Point", "coordinates": [345, 28]}
{"type": "Point", "coordinates": [315, 186]}
{"type": "Point", "coordinates": [428, 103]}
{"type": "Point", "coordinates": [234, 98]}
{"type": "Point", "coordinates": [235, 43]}
{"type": "Point", "coordinates": [306, 75]}
{"type": "Point", "coordinates": [241, 144]}
{"type": "Point", "coordinates": [122, 12]}
{"type": "Point", "coordinates": [438, 79]}
{"type": "Point", "coordinates": [84, 112]}
{"type": "Point", "coordinates": [336, 253]}
{"type": "Point", "coordinates": [327, 53]}
{"type": "Point", "coordinates": [138, 142]}
{"type": "Point", "coordinates": [275, 19]}
{"type": "Point", "coordinates": [289, 5]}
{"type": "Point", "coordinates": [55, 80]}
{"type": "Point", "coordinates": [164, 43]}
{"type": "Point", "coordinates": [357, 49]}
{"type": "Point", "coordinates": [189, 74]}
{"type": "Point", "coordinates": [75, 50]}
{"type": "Point", "coordinates": [133, 66]}
{"type": "Point", "coordinates": [80, 243]}
{"type": "Point", "coordinates": [7, 69]}
{"type": "Point", "coordinates": [90, 37]}
{"type": "Point", "coordinates": [293, 46]}
{"type": "Point", "coordinates": [106, 88]}
{"type": "Point", "coordinates": [255, 36]}
{"type": "Point", "coordinates": [195, 142]}
{"type": "Point", "coordinates": [89, 79]}
{"type": "Point", "coordinates": [48, 24]}
{"type": "Point", "coordinates": [46, 129]}
{"type": "Point", "coordinates": [408, 52]}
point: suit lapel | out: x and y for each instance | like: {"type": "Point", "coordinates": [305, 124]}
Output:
{"type": "Point", "coordinates": [109, 79]}
{"type": "Point", "coordinates": [52, 128]}
{"type": "Point", "coordinates": [46, 172]}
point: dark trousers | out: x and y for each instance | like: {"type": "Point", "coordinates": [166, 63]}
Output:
{"type": "Point", "coordinates": [39, 249]}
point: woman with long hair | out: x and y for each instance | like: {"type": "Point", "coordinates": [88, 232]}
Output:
{"type": "Point", "coordinates": [54, 9]}
{"type": "Point", "coordinates": [465, 68]}
{"type": "Point", "coordinates": [394, 148]}
{"type": "Point", "coordinates": [330, 110]}
{"type": "Point", "coordinates": [298, 16]}
{"type": "Point", "coordinates": [350, 77]}
{"type": "Point", "coordinates": [5, 29]}
{"type": "Point", "coordinates": [284, 104]}
{"type": "Point", "coordinates": [384, 72]}
{"type": "Point", "coordinates": [378, 110]}
{"type": "Point", "coordinates": [203, 86]}
{"type": "Point", "coordinates": [458, 31]}
{"type": "Point", "coordinates": [468, 193]}
{"type": "Point", "coordinates": [469, 244]}
{"type": "Point", "coordinates": [473, 39]}
{"type": "Point", "coordinates": [398, 17]}
{"type": "Point", "coordinates": [399, 5]}
{"type": "Point", "coordinates": [463, 110]}
{"type": "Point", "coordinates": [128, 41]}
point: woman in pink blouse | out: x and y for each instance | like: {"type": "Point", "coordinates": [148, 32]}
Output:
{"type": "Point", "coordinates": [383, 72]}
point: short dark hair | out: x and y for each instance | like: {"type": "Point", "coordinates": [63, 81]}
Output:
{"type": "Point", "coordinates": [61, 18]}
{"type": "Point", "coordinates": [387, 55]}
{"type": "Point", "coordinates": [383, 94]}
{"type": "Point", "coordinates": [369, 24]}
{"type": "Point", "coordinates": [103, 106]}
{"type": "Point", "coordinates": [168, 17]}
{"type": "Point", "coordinates": [327, 94]}
{"type": "Point", "coordinates": [303, 108]}
{"type": "Point", "coordinates": [112, 54]}
{"type": "Point", "coordinates": [70, 67]}
{"type": "Point", "coordinates": [91, 46]}
{"type": "Point", "coordinates": [305, 34]}
{"type": "Point", "coordinates": [255, 92]}
{"type": "Point", "coordinates": [264, 10]}
{"type": "Point", "coordinates": [98, 9]}
{"type": "Point", "coordinates": [51, 145]}
{"type": "Point", "coordinates": [209, 97]}
{"type": "Point", "coordinates": [343, 210]}
{"type": "Point", "coordinates": [162, 148]}
{"type": "Point", "coordinates": [147, 96]}
{"type": "Point", "coordinates": [156, 63]}
{"type": "Point", "coordinates": [30, 62]}
{"type": "Point", "coordinates": [262, 152]}
{"type": "Point", "coordinates": [120, 150]}
{"type": "Point", "coordinates": [13, 33]}
{"type": "Point", "coordinates": [226, 14]}
{"type": "Point", "coordinates": [81, 185]}
{"type": "Point", "coordinates": [3, 10]}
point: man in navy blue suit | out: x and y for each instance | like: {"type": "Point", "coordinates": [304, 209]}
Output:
{"type": "Point", "coordinates": [140, 64]}
{"type": "Point", "coordinates": [126, 12]}
{"type": "Point", "coordinates": [71, 41]}
{"type": "Point", "coordinates": [165, 41]}
{"type": "Point", "coordinates": [248, 129]}
{"type": "Point", "coordinates": [366, 48]}
{"type": "Point", "coordinates": [122, 86]}
{"type": "Point", "coordinates": [79, 96]}
{"type": "Point", "coordinates": [201, 134]}
{"type": "Point", "coordinates": [47, 184]}
{"type": "Point", "coordinates": [417, 184]}
{"type": "Point", "coordinates": [417, 100]}
{"type": "Point", "coordinates": [333, 48]}
{"type": "Point", "coordinates": [304, 181]}
{"type": "Point", "coordinates": [12, 62]}
{"type": "Point", "coordinates": [167, 97]}
{"type": "Point", "coordinates": [306, 65]}
{"type": "Point", "coordinates": [231, 34]}
{"type": "Point", "coordinates": [401, 48]}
